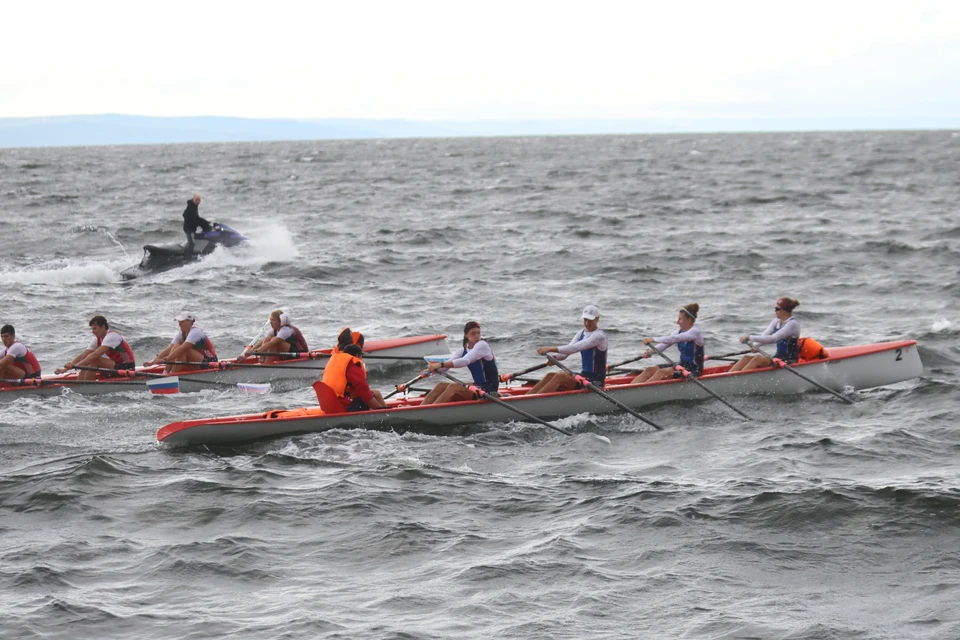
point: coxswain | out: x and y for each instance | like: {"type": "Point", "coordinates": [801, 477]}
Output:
{"type": "Point", "coordinates": [192, 220]}
{"type": "Point", "coordinates": [281, 337]}
{"type": "Point", "coordinates": [189, 345]}
{"type": "Point", "coordinates": [784, 329]}
{"type": "Point", "coordinates": [689, 341]}
{"type": "Point", "coordinates": [107, 350]}
{"type": "Point", "coordinates": [591, 343]}
{"type": "Point", "coordinates": [347, 377]}
{"type": "Point", "coordinates": [16, 361]}
{"type": "Point", "coordinates": [478, 357]}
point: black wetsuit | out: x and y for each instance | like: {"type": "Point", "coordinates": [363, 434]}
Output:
{"type": "Point", "coordinates": [192, 220]}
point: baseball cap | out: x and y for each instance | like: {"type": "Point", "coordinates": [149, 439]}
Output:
{"type": "Point", "coordinates": [184, 316]}
{"type": "Point", "coordinates": [590, 312]}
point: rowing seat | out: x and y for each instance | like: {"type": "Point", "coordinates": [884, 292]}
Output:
{"type": "Point", "coordinates": [328, 400]}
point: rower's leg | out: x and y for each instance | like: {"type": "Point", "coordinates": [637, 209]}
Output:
{"type": "Point", "coordinates": [12, 371]}
{"type": "Point", "coordinates": [99, 362]}
{"type": "Point", "coordinates": [455, 393]}
{"type": "Point", "coordinates": [435, 393]}
{"type": "Point", "coordinates": [274, 345]}
{"type": "Point", "coordinates": [538, 388]}
{"type": "Point", "coordinates": [185, 352]}
{"type": "Point", "coordinates": [648, 373]}
{"type": "Point", "coordinates": [555, 382]}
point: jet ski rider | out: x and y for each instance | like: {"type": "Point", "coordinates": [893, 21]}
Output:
{"type": "Point", "coordinates": [192, 220]}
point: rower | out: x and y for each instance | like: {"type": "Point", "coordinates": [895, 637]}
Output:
{"type": "Point", "coordinates": [347, 377]}
{"type": "Point", "coordinates": [16, 361]}
{"type": "Point", "coordinates": [591, 343]}
{"type": "Point", "coordinates": [281, 337]}
{"type": "Point", "coordinates": [189, 344]}
{"type": "Point", "coordinates": [689, 341]}
{"type": "Point", "coordinates": [107, 350]}
{"type": "Point", "coordinates": [478, 357]}
{"type": "Point", "coordinates": [784, 329]}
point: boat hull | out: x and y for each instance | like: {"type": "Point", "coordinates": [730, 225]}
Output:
{"type": "Point", "coordinates": [859, 367]}
{"type": "Point", "coordinates": [295, 370]}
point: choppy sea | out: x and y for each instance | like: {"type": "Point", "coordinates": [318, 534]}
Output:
{"type": "Point", "coordinates": [817, 520]}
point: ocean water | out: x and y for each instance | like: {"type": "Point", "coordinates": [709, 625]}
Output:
{"type": "Point", "coordinates": [816, 520]}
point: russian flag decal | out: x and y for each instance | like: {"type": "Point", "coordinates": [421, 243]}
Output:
{"type": "Point", "coordinates": [169, 384]}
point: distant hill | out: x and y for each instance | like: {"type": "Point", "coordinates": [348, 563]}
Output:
{"type": "Point", "coordinates": [109, 129]}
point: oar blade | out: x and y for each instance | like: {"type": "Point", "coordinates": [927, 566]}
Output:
{"type": "Point", "coordinates": [164, 386]}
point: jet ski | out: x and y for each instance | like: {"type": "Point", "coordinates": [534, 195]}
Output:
{"type": "Point", "coordinates": [163, 257]}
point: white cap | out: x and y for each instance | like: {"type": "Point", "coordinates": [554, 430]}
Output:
{"type": "Point", "coordinates": [184, 316]}
{"type": "Point", "coordinates": [590, 312]}
{"type": "Point", "coordinates": [284, 319]}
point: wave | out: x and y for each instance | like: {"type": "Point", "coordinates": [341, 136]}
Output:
{"type": "Point", "coordinates": [65, 274]}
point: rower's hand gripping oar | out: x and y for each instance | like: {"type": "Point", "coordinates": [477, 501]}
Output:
{"type": "Point", "coordinates": [603, 394]}
{"type": "Point", "coordinates": [486, 396]}
{"type": "Point", "coordinates": [507, 377]}
{"type": "Point", "coordinates": [689, 376]}
{"type": "Point", "coordinates": [783, 365]}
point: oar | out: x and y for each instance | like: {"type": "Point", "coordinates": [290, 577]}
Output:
{"type": "Point", "coordinates": [611, 367]}
{"type": "Point", "coordinates": [404, 386]}
{"type": "Point", "coordinates": [36, 382]}
{"type": "Point", "coordinates": [690, 376]}
{"type": "Point", "coordinates": [313, 355]}
{"type": "Point", "coordinates": [783, 365]}
{"type": "Point", "coordinates": [226, 364]}
{"type": "Point", "coordinates": [602, 394]}
{"type": "Point", "coordinates": [486, 396]}
{"type": "Point", "coordinates": [255, 338]}
{"type": "Point", "coordinates": [130, 373]}
{"type": "Point", "coordinates": [507, 377]}
{"type": "Point", "coordinates": [728, 355]}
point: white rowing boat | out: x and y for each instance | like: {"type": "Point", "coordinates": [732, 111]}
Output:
{"type": "Point", "coordinates": [859, 367]}
{"type": "Point", "coordinates": [246, 370]}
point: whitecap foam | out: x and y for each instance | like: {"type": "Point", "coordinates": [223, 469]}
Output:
{"type": "Point", "coordinates": [83, 273]}
{"type": "Point", "coordinates": [941, 325]}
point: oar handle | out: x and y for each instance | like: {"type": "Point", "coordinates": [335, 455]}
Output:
{"type": "Point", "coordinates": [34, 382]}
{"type": "Point", "coordinates": [597, 390]}
{"type": "Point", "coordinates": [783, 365]}
{"type": "Point", "coordinates": [689, 376]}
{"type": "Point", "coordinates": [507, 377]}
{"type": "Point", "coordinates": [404, 386]}
{"type": "Point", "coordinates": [128, 373]}
{"type": "Point", "coordinates": [486, 396]}
{"type": "Point", "coordinates": [313, 355]}
{"type": "Point", "coordinates": [611, 367]}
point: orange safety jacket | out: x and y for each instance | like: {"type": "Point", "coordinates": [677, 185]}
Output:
{"type": "Point", "coordinates": [335, 373]}
{"type": "Point", "coordinates": [810, 349]}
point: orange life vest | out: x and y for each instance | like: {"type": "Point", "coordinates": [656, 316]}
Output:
{"type": "Point", "coordinates": [335, 373]}
{"type": "Point", "coordinates": [810, 349]}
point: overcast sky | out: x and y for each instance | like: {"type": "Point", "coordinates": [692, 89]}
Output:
{"type": "Point", "coordinates": [481, 60]}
